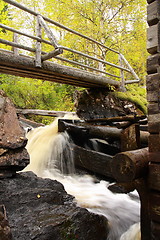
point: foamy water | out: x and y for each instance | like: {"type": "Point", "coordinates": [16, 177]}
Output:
{"type": "Point", "coordinates": [47, 149]}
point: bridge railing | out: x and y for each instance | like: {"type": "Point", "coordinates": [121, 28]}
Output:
{"type": "Point", "coordinates": [43, 23]}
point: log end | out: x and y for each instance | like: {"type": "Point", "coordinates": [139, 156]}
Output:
{"type": "Point", "coordinates": [123, 168]}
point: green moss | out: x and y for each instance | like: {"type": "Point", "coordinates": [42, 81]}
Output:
{"type": "Point", "coordinates": [136, 95]}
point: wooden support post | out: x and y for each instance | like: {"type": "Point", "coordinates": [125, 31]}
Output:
{"type": "Point", "coordinates": [15, 40]}
{"type": "Point", "coordinates": [153, 97]}
{"type": "Point", "coordinates": [122, 87]}
{"type": "Point", "coordinates": [142, 188]}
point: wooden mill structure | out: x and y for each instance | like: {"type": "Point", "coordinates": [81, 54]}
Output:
{"type": "Point", "coordinates": [35, 65]}
{"type": "Point", "coordinates": [153, 90]}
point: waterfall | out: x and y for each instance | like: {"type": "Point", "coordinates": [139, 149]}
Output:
{"type": "Point", "coordinates": [51, 157]}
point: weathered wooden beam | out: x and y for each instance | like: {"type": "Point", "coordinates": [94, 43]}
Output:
{"type": "Point", "coordinates": [43, 112]}
{"type": "Point", "coordinates": [153, 13]}
{"type": "Point", "coordinates": [52, 54]}
{"type": "Point", "coordinates": [25, 66]}
{"type": "Point", "coordinates": [46, 77]}
{"type": "Point", "coordinates": [95, 162]}
{"type": "Point", "coordinates": [154, 176]}
{"type": "Point", "coordinates": [153, 84]}
{"type": "Point", "coordinates": [153, 63]}
{"type": "Point", "coordinates": [117, 119]}
{"type": "Point", "coordinates": [130, 165]}
{"type": "Point", "coordinates": [16, 45]}
{"type": "Point", "coordinates": [154, 207]}
{"type": "Point", "coordinates": [102, 132]}
{"type": "Point", "coordinates": [48, 31]}
{"type": "Point", "coordinates": [30, 123]}
{"type": "Point", "coordinates": [153, 40]}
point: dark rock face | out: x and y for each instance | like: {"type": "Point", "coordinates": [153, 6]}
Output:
{"type": "Point", "coordinates": [13, 155]}
{"type": "Point", "coordinates": [100, 103]}
{"type": "Point", "coordinates": [40, 209]}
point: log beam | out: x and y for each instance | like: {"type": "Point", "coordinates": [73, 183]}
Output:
{"type": "Point", "coordinates": [93, 161]}
{"type": "Point", "coordinates": [25, 67]}
{"type": "Point", "coordinates": [102, 132]}
{"type": "Point", "coordinates": [48, 113]}
{"type": "Point", "coordinates": [130, 165]}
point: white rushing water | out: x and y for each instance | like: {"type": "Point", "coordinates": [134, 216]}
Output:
{"type": "Point", "coordinates": [47, 148]}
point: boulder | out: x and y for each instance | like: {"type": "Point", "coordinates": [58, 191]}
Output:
{"type": "Point", "coordinates": [13, 155]}
{"type": "Point", "coordinates": [40, 209]}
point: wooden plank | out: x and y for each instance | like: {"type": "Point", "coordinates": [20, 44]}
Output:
{"type": "Point", "coordinates": [153, 39]}
{"type": "Point", "coordinates": [154, 127]}
{"type": "Point", "coordinates": [154, 176]}
{"type": "Point", "coordinates": [130, 165]}
{"type": "Point", "coordinates": [154, 118]}
{"type": "Point", "coordinates": [153, 13]}
{"type": "Point", "coordinates": [130, 118]}
{"type": "Point", "coordinates": [154, 142]}
{"type": "Point", "coordinates": [153, 62]}
{"type": "Point", "coordinates": [154, 157]}
{"type": "Point", "coordinates": [153, 108]}
{"type": "Point", "coordinates": [155, 207]}
{"type": "Point", "coordinates": [153, 96]}
{"type": "Point", "coordinates": [153, 87]}
{"type": "Point", "coordinates": [27, 65]}
{"type": "Point", "coordinates": [153, 82]}
{"type": "Point", "coordinates": [96, 162]}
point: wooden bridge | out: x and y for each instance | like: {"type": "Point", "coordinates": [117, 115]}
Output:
{"type": "Point", "coordinates": [32, 62]}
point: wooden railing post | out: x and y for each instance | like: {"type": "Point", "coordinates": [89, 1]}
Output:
{"type": "Point", "coordinates": [122, 87]}
{"type": "Point", "coordinates": [38, 60]}
{"type": "Point", "coordinates": [15, 40]}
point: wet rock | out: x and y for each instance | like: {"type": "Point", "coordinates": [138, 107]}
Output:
{"type": "Point", "coordinates": [13, 156]}
{"type": "Point", "coordinates": [40, 209]}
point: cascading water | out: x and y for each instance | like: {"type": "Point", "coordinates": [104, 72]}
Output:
{"type": "Point", "coordinates": [50, 157]}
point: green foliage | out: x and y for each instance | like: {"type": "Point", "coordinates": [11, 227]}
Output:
{"type": "Point", "coordinates": [4, 19]}
{"type": "Point", "coordinates": [37, 94]}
